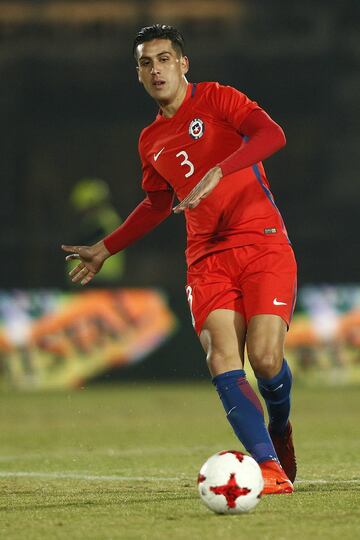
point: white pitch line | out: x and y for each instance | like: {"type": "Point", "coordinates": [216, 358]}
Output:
{"type": "Point", "coordinates": [118, 478]}
{"type": "Point", "coordinates": [108, 452]}
{"type": "Point", "coordinates": [91, 477]}
{"type": "Point", "coordinates": [320, 481]}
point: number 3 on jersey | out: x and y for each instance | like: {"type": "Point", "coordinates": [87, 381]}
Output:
{"type": "Point", "coordinates": [186, 162]}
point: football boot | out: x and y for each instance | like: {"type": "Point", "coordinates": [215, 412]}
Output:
{"type": "Point", "coordinates": [275, 479]}
{"type": "Point", "coordinates": [284, 448]}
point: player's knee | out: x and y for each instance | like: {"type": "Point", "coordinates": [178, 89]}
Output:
{"type": "Point", "coordinates": [220, 361]}
{"type": "Point", "coordinates": [266, 363]}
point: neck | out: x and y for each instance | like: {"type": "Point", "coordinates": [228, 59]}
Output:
{"type": "Point", "coordinates": [170, 108]}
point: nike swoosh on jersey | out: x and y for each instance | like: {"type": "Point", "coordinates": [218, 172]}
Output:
{"type": "Point", "coordinates": [156, 156]}
{"type": "Point", "coordinates": [277, 303]}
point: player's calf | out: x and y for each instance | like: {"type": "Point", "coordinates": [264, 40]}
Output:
{"type": "Point", "coordinates": [245, 414]}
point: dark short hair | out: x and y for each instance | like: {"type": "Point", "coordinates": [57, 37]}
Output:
{"type": "Point", "coordinates": [160, 31]}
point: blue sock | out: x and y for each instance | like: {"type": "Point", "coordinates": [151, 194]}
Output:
{"type": "Point", "coordinates": [276, 393]}
{"type": "Point", "coordinates": [245, 414]}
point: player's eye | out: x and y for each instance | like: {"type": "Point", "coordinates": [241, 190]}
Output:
{"type": "Point", "coordinates": [164, 58]}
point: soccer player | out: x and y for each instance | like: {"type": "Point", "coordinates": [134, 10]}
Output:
{"type": "Point", "coordinates": [206, 145]}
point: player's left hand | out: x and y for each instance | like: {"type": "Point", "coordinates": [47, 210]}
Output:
{"type": "Point", "coordinates": [201, 190]}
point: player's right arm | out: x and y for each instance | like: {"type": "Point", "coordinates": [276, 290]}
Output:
{"type": "Point", "coordinates": [156, 207]}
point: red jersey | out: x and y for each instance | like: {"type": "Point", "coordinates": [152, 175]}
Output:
{"type": "Point", "coordinates": [177, 152]}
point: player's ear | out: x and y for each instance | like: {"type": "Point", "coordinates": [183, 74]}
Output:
{"type": "Point", "coordinates": [184, 61]}
{"type": "Point", "coordinates": [138, 74]}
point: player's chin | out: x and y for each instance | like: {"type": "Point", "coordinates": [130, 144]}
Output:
{"type": "Point", "coordinates": [159, 92]}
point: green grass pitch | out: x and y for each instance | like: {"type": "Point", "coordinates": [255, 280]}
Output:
{"type": "Point", "coordinates": [120, 462]}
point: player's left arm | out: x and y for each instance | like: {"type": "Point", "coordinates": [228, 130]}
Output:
{"type": "Point", "coordinates": [265, 137]}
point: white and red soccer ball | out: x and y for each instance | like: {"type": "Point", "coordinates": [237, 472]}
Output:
{"type": "Point", "coordinates": [230, 482]}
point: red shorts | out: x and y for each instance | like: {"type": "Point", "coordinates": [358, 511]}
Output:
{"type": "Point", "coordinates": [253, 280]}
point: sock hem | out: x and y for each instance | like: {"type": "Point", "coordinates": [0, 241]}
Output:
{"type": "Point", "coordinates": [228, 374]}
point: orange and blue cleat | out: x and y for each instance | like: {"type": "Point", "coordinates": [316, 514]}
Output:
{"type": "Point", "coordinates": [275, 479]}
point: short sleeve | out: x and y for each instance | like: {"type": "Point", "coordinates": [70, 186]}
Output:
{"type": "Point", "coordinates": [233, 105]}
{"type": "Point", "coordinates": [151, 179]}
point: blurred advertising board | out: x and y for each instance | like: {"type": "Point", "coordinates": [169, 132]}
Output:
{"type": "Point", "coordinates": [323, 342]}
{"type": "Point", "coordinates": [51, 339]}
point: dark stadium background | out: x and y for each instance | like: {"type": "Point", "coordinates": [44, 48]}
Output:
{"type": "Point", "coordinates": [71, 107]}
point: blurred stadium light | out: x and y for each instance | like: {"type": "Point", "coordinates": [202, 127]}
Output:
{"type": "Point", "coordinates": [22, 13]}
{"type": "Point", "coordinates": [114, 11]}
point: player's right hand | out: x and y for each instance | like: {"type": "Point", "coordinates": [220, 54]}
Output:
{"type": "Point", "coordinates": [91, 260]}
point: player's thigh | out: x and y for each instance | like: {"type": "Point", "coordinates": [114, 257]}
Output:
{"type": "Point", "coordinates": [223, 339]}
{"type": "Point", "coordinates": [265, 340]}
{"type": "Point", "coordinates": [269, 293]}
{"type": "Point", "coordinates": [269, 282]}
{"type": "Point", "coordinates": [210, 286]}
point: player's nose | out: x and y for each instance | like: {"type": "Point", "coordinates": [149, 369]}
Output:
{"type": "Point", "coordinates": [155, 68]}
